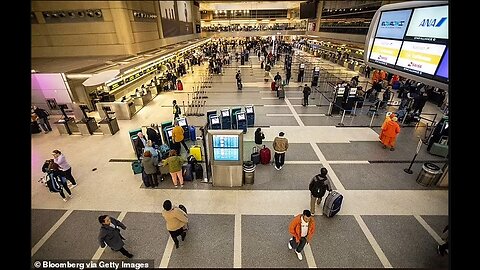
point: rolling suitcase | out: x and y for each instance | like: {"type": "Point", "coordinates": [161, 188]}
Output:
{"type": "Point", "coordinates": [145, 179]}
{"type": "Point", "coordinates": [137, 167]}
{"type": "Point", "coordinates": [438, 149]}
{"type": "Point", "coordinates": [187, 172]}
{"type": "Point", "coordinates": [191, 131]}
{"type": "Point", "coordinates": [272, 86]}
{"type": "Point", "coordinates": [255, 156]}
{"type": "Point", "coordinates": [281, 92]}
{"type": "Point", "coordinates": [184, 209]}
{"type": "Point", "coordinates": [332, 204]}
{"type": "Point", "coordinates": [198, 171]}
{"type": "Point", "coordinates": [196, 151]}
{"type": "Point", "coordinates": [265, 155]}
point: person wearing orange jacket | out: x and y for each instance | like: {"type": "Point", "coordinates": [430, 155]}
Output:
{"type": "Point", "coordinates": [390, 132]}
{"type": "Point", "coordinates": [302, 229]}
{"type": "Point", "coordinates": [388, 117]}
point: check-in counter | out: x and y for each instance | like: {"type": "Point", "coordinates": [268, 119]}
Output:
{"type": "Point", "coordinates": [87, 126]}
{"type": "Point", "coordinates": [123, 110]}
{"type": "Point", "coordinates": [143, 100]}
{"type": "Point", "coordinates": [109, 125]}
{"type": "Point", "coordinates": [68, 127]}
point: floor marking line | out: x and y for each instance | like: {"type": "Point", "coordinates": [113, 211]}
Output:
{"type": "Point", "coordinates": [429, 229]}
{"type": "Point", "coordinates": [326, 164]}
{"type": "Point", "coordinates": [167, 253]}
{"type": "Point", "coordinates": [299, 121]}
{"type": "Point", "coordinates": [309, 256]}
{"type": "Point", "coordinates": [237, 242]}
{"type": "Point", "coordinates": [376, 247]}
{"type": "Point", "coordinates": [349, 162]}
{"type": "Point", "coordinates": [47, 235]}
{"type": "Point", "coordinates": [100, 250]}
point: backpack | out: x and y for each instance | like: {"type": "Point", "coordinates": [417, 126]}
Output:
{"type": "Point", "coordinates": [323, 186]}
{"type": "Point", "coordinates": [176, 110]}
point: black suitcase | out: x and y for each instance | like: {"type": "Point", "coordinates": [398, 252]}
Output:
{"type": "Point", "coordinates": [145, 179]}
{"type": "Point", "coordinates": [198, 171]}
{"type": "Point", "coordinates": [187, 172]}
{"type": "Point", "coordinates": [255, 156]}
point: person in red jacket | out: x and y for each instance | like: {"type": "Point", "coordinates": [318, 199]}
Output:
{"type": "Point", "coordinates": [390, 131]}
{"type": "Point", "coordinates": [302, 229]}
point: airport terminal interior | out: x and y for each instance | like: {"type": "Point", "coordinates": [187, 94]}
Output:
{"type": "Point", "coordinates": [101, 88]}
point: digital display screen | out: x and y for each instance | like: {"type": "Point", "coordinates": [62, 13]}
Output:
{"type": "Point", "coordinates": [226, 147]}
{"type": "Point", "coordinates": [228, 141]}
{"type": "Point", "coordinates": [182, 122]}
{"type": "Point", "coordinates": [241, 116]}
{"type": "Point", "coordinates": [340, 91]}
{"type": "Point", "coordinates": [225, 154]}
{"type": "Point", "coordinates": [353, 91]}
{"type": "Point", "coordinates": [443, 68]}
{"type": "Point", "coordinates": [393, 24]}
{"type": "Point", "coordinates": [215, 120]}
{"type": "Point", "coordinates": [226, 113]}
{"type": "Point", "coordinates": [249, 109]}
{"type": "Point", "coordinates": [419, 57]}
{"type": "Point", "coordinates": [429, 24]}
{"type": "Point", "coordinates": [385, 51]}
{"type": "Point", "coordinates": [169, 132]}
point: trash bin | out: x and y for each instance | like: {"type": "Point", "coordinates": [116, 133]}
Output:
{"type": "Point", "coordinates": [429, 174]}
{"type": "Point", "coordinates": [248, 172]}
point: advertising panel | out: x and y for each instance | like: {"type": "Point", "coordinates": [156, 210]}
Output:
{"type": "Point", "coordinates": [393, 24]}
{"type": "Point", "coordinates": [443, 68]}
{"type": "Point", "coordinates": [420, 58]}
{"type": "Point", "coordinates": [385, 51]}
{"type": "Point", "coordinates": [429, 24]}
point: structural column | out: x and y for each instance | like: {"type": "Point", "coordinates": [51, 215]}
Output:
{"type": "Point", "coordinates": [123, 28]}
{"type": "Point", "coordinates": [319, 15]}
{"type": "Point", "coordinates": [159, 19]}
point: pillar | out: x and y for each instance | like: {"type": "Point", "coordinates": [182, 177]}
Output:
{"type": "Point", "coordinates": [123, 28]}
{"type": "Point", "coordinates": [319, 15]}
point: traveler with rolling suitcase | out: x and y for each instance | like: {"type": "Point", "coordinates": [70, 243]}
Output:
{"type": "Point", "coordinates": [176, 219]}
{"type": "Point", "coordinates": [318, 186]}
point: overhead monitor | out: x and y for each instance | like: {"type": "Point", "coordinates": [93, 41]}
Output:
{"type": "Point", "coordinates": [214, 120]}
{"type": "Point", "coordinates": [353, 91]}
{"type": "Point", "coordinates": [410, 39]}
{"type": "Point", "coordinates": [182, 122]}
{"type": "Point", "coordinates": [340, 90]}
{"type": "Point", "coordinates": [226, 113]}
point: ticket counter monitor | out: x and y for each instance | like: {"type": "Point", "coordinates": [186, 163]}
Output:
{"type": "Point", "coordinates": [338, 100]}
{"type": "Point", "coordinates": [182, 121]}
{"type": "Point", "coordinates": [234, 118]}
{"type": "Point", "coordinates": [315, 76]}
{"type": "Point", "coordinates": [209, 113]}
{"type": "Point", "coordinates": [241, 121]}
{"type": "Point", "coordinates": [226, 118]}
{"type": "Point", "coordinates": [109, 124]}
{"type": "Point", "coordinates": [225, 157]}
{"type": "Point", "coordinates": [301, 72]}
{"type": "Point", "coordinates": [163, 126]}
{"type": "Point", "coordinates": [132, 134]}
{"type": "Point", "coordinates": [250, 111]}
{"type": "Point", "coordinates": [214, 122]}
{"type": "Point", "coordinates": [168, 131]}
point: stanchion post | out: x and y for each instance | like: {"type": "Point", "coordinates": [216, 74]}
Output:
{"type": "Point", "coordinates": [408, 170]}
{"type": "Point", "coordinates": [330, 108]}
{"type": "Point", "coordinates": [343, 116]}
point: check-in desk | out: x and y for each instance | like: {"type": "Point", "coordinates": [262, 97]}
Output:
{"type": "Point", "coordinates": [109, 125]}
{"type": "Point", "coordinates": [122, 110]}
{"type": "Point", "coordinates": [143, 100]}
{"type": "Point", "coordinates": [87, 126]}
{"type": "Point", "coordinates": [68, 127]}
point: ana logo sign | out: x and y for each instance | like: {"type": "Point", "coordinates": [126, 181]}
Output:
{"type": "Point", "coordinates": [432, 22]}
{"type": "Point", "coordinates": [393, 23]}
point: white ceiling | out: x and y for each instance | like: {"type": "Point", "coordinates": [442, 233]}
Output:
{"type": "Point", "coordinates": [250, 5]}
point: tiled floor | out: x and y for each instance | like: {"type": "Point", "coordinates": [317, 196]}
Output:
{"type": "Point", "coordinates": [386, 220]}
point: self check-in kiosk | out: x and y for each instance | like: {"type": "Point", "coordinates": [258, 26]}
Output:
{"type": "Point", "coordinates": [350, 100]}
{"type": "Point", "coordinates": [226, 118]}
{"type": "Point", "coordinates": [315, 76]}
{"type": "Point", "coordinates": [66, 125]}
{"type": "Point", "coordinates": [210, 113]}
{"type": "Point", "coordinates": [214, 122]}
{"type": "Point", "coordinates": [87, 125]}
{"type": "Point", "coordinates": [168, 131]}
{"type": "Point", "coordinates": [241, 121]}
{"type": "Point", "coordinates": [133, 136]}
{"type": "Point", "coordinates": [234, 118]}
{"type": "Point", "coordinates": [163, 126]}
{"type": "Point", "coordinates": [182, 121]}
{"type": "Point", "coordinates": [301, 72]}
{"type": "Point", "coordinates": [250, 111]}
{"type": "Point", "coordinates": [338, 100]}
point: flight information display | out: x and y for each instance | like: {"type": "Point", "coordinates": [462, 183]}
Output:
{"type": "Point", "coordinates": [385, 51]}
{"type": "Point", "coordinates": [226, 148]}
{"type": "Point", "coordinates": [442, 71]}
{"type": "Point", "coordinates": [420, 57]}
{"type": "Point", "coordinates": [429, 24]}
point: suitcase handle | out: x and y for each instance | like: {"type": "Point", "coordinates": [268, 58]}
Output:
{"type": "Point", "coordinates": [254, 149]}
